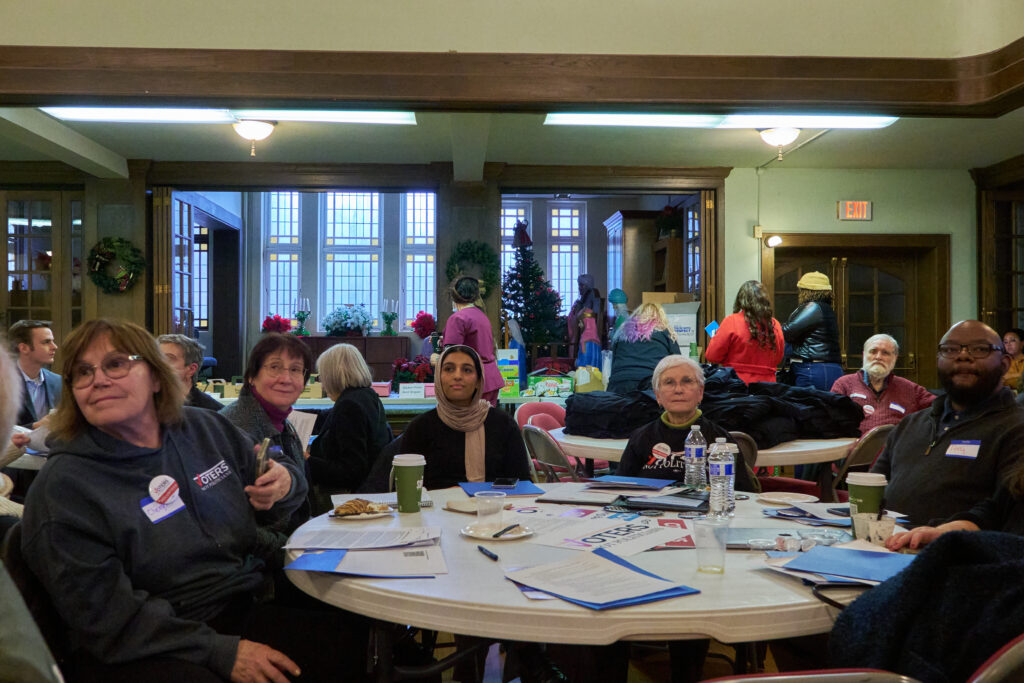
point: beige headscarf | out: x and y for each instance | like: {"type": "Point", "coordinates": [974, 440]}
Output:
{"type": "Point", "coordinates": [468, 419]}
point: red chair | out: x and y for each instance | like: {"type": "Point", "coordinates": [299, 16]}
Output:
{"type": "Point", "coordinates": [527, 410]}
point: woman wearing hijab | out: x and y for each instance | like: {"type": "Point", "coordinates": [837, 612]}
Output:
{"type": "Point", "coordinates": [583, 328]}
{"type": "Point", "coordinates": [469, 325]}
{"type": "Point", "coordinates": [750, 340]}
{"type": "Point", "coordinates": [465, 438]}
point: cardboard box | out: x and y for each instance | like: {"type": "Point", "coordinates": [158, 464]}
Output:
{"type": "Point", "coordinates": [508, 366]}
{"type": "Point", "coordinates": [665, 297]}
{"type": "Point", "coordinates": [683, 319]}
{"type": "Point", "coordinates": [232, 387]}
{"type": "Point", "coordinates": [383, 389]}
{"type": "Point", "coordinates": [548, 385]}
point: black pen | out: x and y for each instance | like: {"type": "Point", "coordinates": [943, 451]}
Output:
{"type": "Point", "coordinates": [504, 531]}
{"type": "Point", "coordinates": [487, 552]}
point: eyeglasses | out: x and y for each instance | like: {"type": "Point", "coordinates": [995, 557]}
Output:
{"type": "Point", "coordinates": [975, 350]}
{"type": "Point", "coordinates": [276, 370]}
{"type": "Point", "coordinates": [685, 382]}
{"type": "Point", "coordinates": [114, 366]}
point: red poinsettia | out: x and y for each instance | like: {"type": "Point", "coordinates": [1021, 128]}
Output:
{"type": "Point", "coordinates": [423, 325]}
{"type": "Point", "coordinates": [276, 323]}
{"type": "Point", "coordinates": [416, 370]}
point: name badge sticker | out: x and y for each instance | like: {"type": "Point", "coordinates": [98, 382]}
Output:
{"type": "Point", "coordinates": [897, 407]}
{"type": "Point", "coordinates": [856, 395]}
{"type": "Point", "coordinates": [158, 512]}
{"type": "Point", "coordinates": [963, 449]}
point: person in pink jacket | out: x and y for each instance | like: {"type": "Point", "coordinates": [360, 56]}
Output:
{"type": "Point", "coordinates": [469, 325]}
{"type": "Point", "coordinates": [750, 340]}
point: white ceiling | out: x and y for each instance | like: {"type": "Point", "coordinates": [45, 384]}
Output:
{"type": "Point", "coordinates": [932, 143]}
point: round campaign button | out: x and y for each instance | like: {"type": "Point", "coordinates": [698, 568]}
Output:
{"type": "Point", "coordinates": [868, 410]}
{"type": "Point", "coordinates": [163, 488]}
{"type": "Point", "coordinates": [661, 451]}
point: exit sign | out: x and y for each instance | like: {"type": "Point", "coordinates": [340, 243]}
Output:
{"type": "Point", "coordinates": [850, 210]}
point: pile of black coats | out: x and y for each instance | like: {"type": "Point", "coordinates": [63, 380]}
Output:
{"type": "Point", "coordinates": [771, 413]}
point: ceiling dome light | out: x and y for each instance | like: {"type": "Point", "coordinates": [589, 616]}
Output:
{"type": "Point", "coordinates": [253, 131]}
{"type": "Point", "coordinates": [779, 137]}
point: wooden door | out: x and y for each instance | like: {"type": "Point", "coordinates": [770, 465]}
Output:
{"type": "Point", "coordinates": [900, 290]}
{"type": "Point", "coordinates": [42, 271]}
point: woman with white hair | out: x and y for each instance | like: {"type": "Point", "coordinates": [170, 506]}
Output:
{"type": "Point", "coordinates": [637, 346]}
{"type": "Point", "coordinates": [356, 428]}
{"type": "Point", "coordinates": [656, 449]}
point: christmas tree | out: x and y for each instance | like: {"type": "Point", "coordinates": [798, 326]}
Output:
{"type": "Point", "coordinates": [528, 297]}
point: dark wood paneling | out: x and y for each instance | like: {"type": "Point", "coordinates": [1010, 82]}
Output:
{"type": "Point", "coordinates": [379, 352]}
{"type": "Point", "coordinates": [276, 176]}
{"type": "Point", "coordinates": [1003, 174]}
{"type": "Point", "coordinates": [981, 85]}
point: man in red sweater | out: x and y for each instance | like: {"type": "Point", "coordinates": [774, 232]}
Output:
{"type": "Point", "coordinates": [884, 397]}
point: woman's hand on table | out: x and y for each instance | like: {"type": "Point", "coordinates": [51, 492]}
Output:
{"type": "Point", "coordinates": [256, 662]}
{"type": "Point", "coordinates": [923, 535]}
{"type": "Point", "coordinates": [270, 487]}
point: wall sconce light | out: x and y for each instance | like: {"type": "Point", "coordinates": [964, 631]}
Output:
{"type": "Point", "coordinates": [779, 137]}
{"type": "Point", "coordinates": [253, 131]}
{"type": "Point", "coordinates": [773, 241]}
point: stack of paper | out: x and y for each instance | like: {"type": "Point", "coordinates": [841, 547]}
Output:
{"type": "Point", "coordinates": [611, 481]}
{"type": "Point", "coordinates": [398, 563]}
{"type": "Point", "coordinates": [813, 514]}
{"type": "Point", "coordinates": [830, 563]}
{"type": "Point", "coordinates": [363, 539]}
{"type": "Point", "coordinates": [598, 580]}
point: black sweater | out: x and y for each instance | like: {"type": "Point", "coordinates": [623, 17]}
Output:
{"type": "Point", "coordinates": [353, 434]}
{"type": "Point", "coordinates": [445, 449]}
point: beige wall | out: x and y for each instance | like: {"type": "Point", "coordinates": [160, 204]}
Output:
{"type": "Point", "coordinates": [907, 28]}
{"type": "Point", "coordinates": [804, 200]}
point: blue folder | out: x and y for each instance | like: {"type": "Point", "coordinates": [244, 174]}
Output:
{"type": "Point", "coordinates": [851, 563]}
{"type": "Point", "coordinates": [328, 560]}
{"type": "Point", "coordinates": [671, 592]}
{"type": "Point", "coordinates": [523, 488]}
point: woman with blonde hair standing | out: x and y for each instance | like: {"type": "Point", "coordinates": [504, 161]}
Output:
{"type": "Point", "coordinates": [750, 340]}
{"type": "Point", "coordinates": [637, 346]}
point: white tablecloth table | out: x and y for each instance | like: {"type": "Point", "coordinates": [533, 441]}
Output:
{"type": "Point", "coordinates": [746, 603]}
{"type": "Point", "coordinates": [799, 452]}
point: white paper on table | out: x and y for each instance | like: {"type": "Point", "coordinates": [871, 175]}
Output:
{"type": "Point", "coordinates": [363, 539]}
{"type": "Point", "coordinates": [590, 578]}
{"type": "Point", "coordinates": [416, 561]}
{"type": "Point", "coordinates": [624, 538]}
{"type": "Point", "coordinates": [388, 498]}
{"type": "Point", "coordinates": [303, 423]}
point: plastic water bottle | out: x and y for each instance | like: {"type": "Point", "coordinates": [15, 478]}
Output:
{"type": "Point", "coordinates": [733, 451]}
{"type": "Point", "coordinates": [696, 447]}
{"type": "Point", "coordinates": [720, 469]}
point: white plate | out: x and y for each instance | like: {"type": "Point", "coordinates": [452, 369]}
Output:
{"type": "Point", "coordinates": [786, 498]}
{"type": "Point", "coordinates": [521, 532]}
{"type": "Point", "coordinates": [361, 516]}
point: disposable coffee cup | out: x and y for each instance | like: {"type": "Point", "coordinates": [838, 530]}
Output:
{"type": "Point", "coordinates": [866, 491]}
{"type": "Point", "coordinates": [408, 472]}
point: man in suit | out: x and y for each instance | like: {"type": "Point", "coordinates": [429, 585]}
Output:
{"type": "Point", "coordinates": [33, 344]}
{"type": "Point", "coordinates": [185, 355]}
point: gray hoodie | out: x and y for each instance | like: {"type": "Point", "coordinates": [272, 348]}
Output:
{"type": "Point", "coordinates": [130, 587]}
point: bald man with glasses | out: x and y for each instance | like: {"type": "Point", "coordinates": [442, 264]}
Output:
{"type": "Point", "coordinates": [943, 460]}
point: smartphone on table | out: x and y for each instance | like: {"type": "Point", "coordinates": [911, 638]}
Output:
{"type": "Point", "coordinates": [505, 483]}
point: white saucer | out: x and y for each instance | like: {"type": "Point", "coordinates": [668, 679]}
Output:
{"type": "Point", "coordinates": [786, 498]}
{"type": "Point", "coordinates": [360, 517]}
{"type": "Point", "coordinates": [521, 532]}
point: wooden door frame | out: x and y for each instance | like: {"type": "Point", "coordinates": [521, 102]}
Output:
{"type": "Point", "coordinates": [933, 245]}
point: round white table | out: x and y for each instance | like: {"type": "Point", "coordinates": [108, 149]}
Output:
{"type": "Point", "coordinates": [799, 452]}
{"type": "Point", "coordinates": [746, 603]}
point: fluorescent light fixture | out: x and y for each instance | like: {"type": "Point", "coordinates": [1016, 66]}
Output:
{"type": "Point", "coordinates": [182, 115]}
{"type": "Point", "coordinates": [758, 121]}
{"type": "Point", "coordinates": [804, 121]}
{"type": "Point", "coordinates": [400, 118]}
{"type": "Point", "coordinates": [653, 120]}
{"type": "Point", "coordinates": [140, 114]}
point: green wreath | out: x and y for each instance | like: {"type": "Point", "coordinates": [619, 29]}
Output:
{"type": "Point", "coordinates": [478, 253]}
{"type": "Point", "coordinates": [130, 264]}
